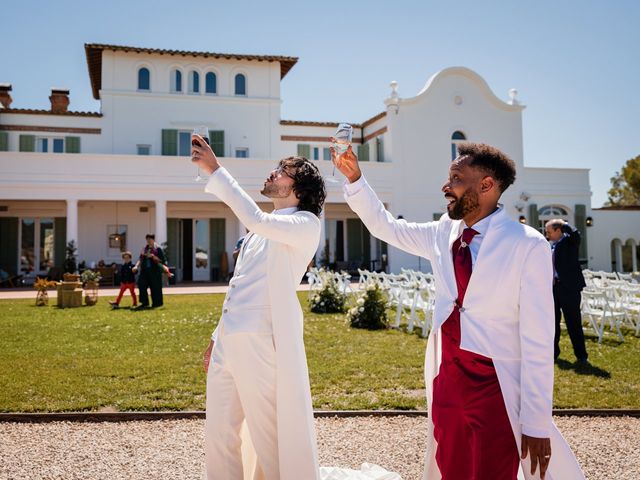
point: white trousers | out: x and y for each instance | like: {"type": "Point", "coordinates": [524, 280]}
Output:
{"type": "Point", "coordinates": [241, 385]}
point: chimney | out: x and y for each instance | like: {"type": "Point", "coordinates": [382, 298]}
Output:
{"type": "Point", "coordinates": [59, 100]}
{"type": "Point", "coordinates": [5, 96]}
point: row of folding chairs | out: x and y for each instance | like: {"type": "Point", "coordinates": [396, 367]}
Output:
{"type": "Point", "coordinates": [609, 301]}
{"type": "Point", "coordinates": [319, 277]}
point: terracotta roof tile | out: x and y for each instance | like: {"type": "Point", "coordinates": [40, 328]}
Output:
{"type": "Point", "coordinates": [33, 111]}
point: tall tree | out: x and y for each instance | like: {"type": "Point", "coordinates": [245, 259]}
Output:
{"type": "Point", "coordinates": [625, 185]}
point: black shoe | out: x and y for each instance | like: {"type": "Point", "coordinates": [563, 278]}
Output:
{"type": "Point", "coordinates": [140, 307]}
{"type": "Point", "coordinates": [583, 361]}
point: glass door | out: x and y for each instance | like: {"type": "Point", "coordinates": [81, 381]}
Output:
{"type": "Point", "coordinates": [201, 257]}
{"type": "Point", "coordinates": [37, 246]}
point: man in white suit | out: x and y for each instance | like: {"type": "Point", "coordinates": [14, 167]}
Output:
{"type": "Point", "coordinates": [257, 368]}
{"type": "Point", "coordinates": [489, 360]}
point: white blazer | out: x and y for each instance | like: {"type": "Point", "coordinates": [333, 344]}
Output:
{"type": "Point", "coordinates": [292, 241]}
{"type": "Point", "coordinates": [508, 316]}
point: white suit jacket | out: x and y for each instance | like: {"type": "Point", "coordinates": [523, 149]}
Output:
{"type": "Point", "coordinates": [292, 243]}
{"type": "Point", "coordinates": [508, 315]}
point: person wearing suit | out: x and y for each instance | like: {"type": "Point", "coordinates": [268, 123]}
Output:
{"type": "Point", "coordinates": [489, 364]}
{"type": "Point", "coordinates": [259, 421]}
{"type": "Point", "coordinates": [568, 282]}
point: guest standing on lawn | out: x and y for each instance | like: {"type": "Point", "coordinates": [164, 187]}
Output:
{"type": "Point", "coordinates": [127, 280]}
{"type": "Point", "coordinates": [489, 360]}
{"type": "Point", "coordinates": [151, 265]}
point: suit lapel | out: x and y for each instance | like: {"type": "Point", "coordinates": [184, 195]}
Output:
{"type": "Point", "coordinates": [488, 243]}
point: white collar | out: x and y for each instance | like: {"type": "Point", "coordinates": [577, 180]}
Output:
{"type": "Point", "coordinates": [285, 211]}
{"type": "Point", "coordinates": [483, 225]}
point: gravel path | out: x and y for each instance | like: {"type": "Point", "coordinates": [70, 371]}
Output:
{"type": "Point", "coordinates": [607, 448]}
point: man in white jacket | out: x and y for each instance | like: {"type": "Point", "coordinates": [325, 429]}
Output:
{"type": "Point", "coordinates": [257, 369]}
{"type": "Point", "coordinates": [489, 360]}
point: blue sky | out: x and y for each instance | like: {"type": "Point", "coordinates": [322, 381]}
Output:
{"type": "Point", "coordinates": [576, 64]}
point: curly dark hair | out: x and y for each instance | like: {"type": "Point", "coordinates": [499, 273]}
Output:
{"type": "Point", "coordinates": [492, 161]}
{"type": "Point", "coordinates": [308, 183]}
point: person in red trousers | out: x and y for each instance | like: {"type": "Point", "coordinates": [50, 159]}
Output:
{"type": "Point", "coordinates": [127, 280]}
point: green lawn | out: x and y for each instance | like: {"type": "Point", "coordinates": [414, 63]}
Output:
{"type": "Point", "coordinates": [91, 357]}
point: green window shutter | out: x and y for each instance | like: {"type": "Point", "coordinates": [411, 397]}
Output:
{"type": "Point", "coordinates": [216, 140]}
{"type": "Point", "coordinates": [363, 152]}
{"type": "Point", "coordinates": [172, 242]}
{"type": "Point", "coordinates": [436, 216]}
{"type": "Point", "coordinates": [169, 142]}
{"type": "Point", "coordinates": [358, 243]}
{"type": "Point", "coordinates": [59, 241]}
{"type": "Point", "coordinates": [4, 141]}
{"type": "Point", "coordinates": [9, 244]}
{"type": "Point", "coordinates": [27, 143]}
{"type": "Point", "coordinates": [72, 144]}
{"type": "Point", "coordinates": [217, 247]}
{"type": "Point", "coordinates": [380, 149]}
{"type": "Point", "coordinates": [533, 216]}
{"type": "Point", "coordinates": [304, 150]}
{"type": "Point", "coordinates": [581, 224]}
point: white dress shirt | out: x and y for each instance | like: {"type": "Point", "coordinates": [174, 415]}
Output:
{"type": "Point", "coordinates": [246, 307]}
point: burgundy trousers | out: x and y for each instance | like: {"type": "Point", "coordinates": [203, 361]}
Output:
{"type": "Point", "coordinates": [472, 429]}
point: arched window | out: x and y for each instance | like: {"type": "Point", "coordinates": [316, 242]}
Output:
{"type": "Point", "coordinates": [144, 79]}
{"type": "Point", "coordinates": [241, 84]}
{"type": "Point", "coordinates": [553, 211]}
{"type": "Point", "coordinates": [194, 82]}
{"type": "Point", "coordinates": [211, 84]}
{"type": "Point", "coordinates": [456, 138]}
{"type": "Point", "coordinates": [176, 81]}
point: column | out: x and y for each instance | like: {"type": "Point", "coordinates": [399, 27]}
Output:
{"type": "Point", "coordinates": [320, 249]}
{"type": "Point", "coordinates": [634, 258]}
{"type": "Point", "coordinates": [618, 246]}
{"type": "Point", "coordinates": [72, 220]}
{"type": "Point", "coordinates": [161, 221]}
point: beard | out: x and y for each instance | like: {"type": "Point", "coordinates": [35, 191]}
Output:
{"type": "Point", "coordinates": [270, 190]}
{"type": "Point", "coordinates": [465, 204]}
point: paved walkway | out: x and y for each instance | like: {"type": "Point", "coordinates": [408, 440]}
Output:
{"type": "Point", "coordinates": [607, 448]}
{"type": "Point", "coordinates": [183, 289]}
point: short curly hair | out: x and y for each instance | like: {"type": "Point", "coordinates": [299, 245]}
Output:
{"type": "Point", "coordinates": [308, 183]}
{"type": "Point", "coordinates": [490, 160]}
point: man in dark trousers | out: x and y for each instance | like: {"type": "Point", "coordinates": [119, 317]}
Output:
{"type": "Point", "coordinates": [150, 264]}
{"type": "Point", "coordinates": [568, 282]}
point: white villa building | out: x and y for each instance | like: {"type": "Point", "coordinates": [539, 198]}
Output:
{"type": "Point", "coordinates": [86, 176]}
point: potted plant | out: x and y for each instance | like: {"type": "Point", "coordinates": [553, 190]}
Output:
{"type": "Point", "coordinates": [91, 281]}
{"type": "Point", "coordinates": [70, 257]}
{"type": "Point", "coordinates": [42, 285]}
{"type": "Point", "coordinates": [370, 309]}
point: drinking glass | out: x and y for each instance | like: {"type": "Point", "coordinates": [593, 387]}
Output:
{"type": "Point", "coordinates": [204, 133]}
{"type": "Point", "coordinates": [342, 140]}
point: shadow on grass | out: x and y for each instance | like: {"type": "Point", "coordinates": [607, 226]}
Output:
{"type": "Point", "coordinates": [583, 368]}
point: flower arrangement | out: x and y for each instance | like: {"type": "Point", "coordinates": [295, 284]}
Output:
{"type": "Point", "coordinates": [90, 276]}
{"type": "Point", "coordinates": [370, 309]}
{"type": "Point", "coordinates": [42, 285]}
{"type": "Point", "coordinates": [329, 299]}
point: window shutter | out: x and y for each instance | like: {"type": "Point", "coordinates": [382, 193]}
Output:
{"type": "Point", "coordinates": [304, 150]}
{"type": "Point", "coordinates": [436, 216]}
{"type": "Point", "coordinates": [216, 139]}
{"type": "Point", "coordinates": [380, 149]}
{"type": "Point", "coordinates": [580, 216]}
{"type": "Point", "coordinates": [9, 244]}
{"type": "Point", "coordinates": [27, 143]}
{"type": "Point", "coordinates": [169, 142]}
{"type": "Point", "coordinates": [4, 141]}
{"type": "Point", "coordinates": [363, 152]}
{"type": "Point", "coordinates": [72, 144]}
{"type": "Point", "coordinates": [533, 216]}
{"type": "Point", "coordinates": [60, 241]}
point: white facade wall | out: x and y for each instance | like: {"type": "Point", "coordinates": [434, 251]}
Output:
{"type": "Point", "coordinates": [620, 228]}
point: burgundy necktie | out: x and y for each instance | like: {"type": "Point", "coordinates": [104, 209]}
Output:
{"type": "Point", "coordinates": [462, 261]}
